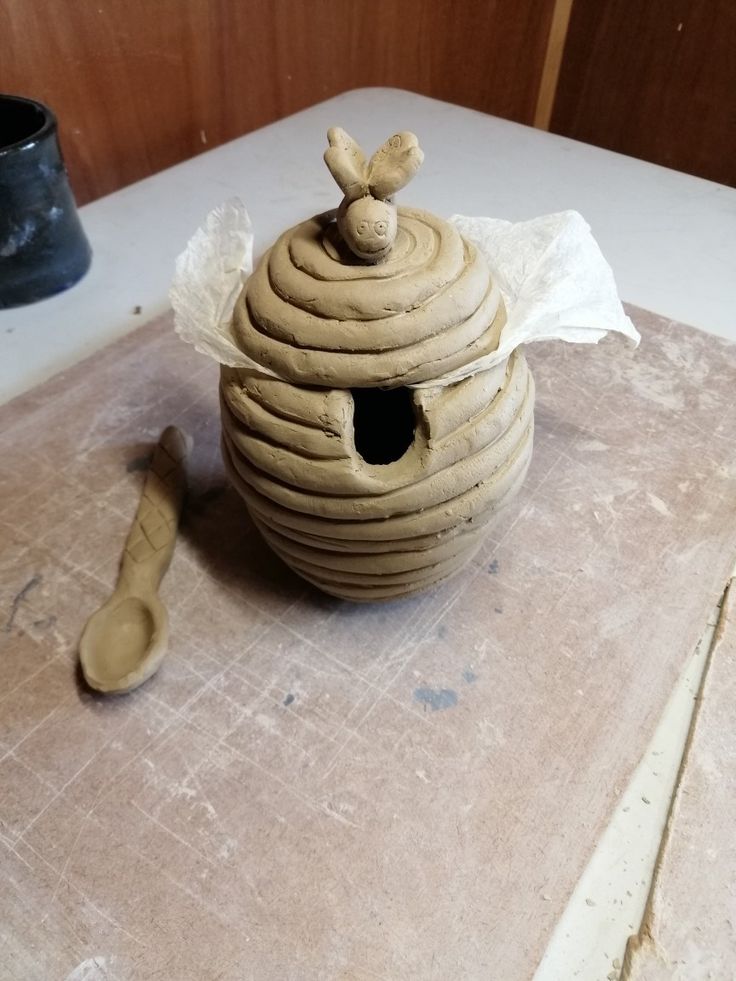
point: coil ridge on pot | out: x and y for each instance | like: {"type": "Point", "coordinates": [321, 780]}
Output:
{"type": "Point", "coordinates": [417, 321]}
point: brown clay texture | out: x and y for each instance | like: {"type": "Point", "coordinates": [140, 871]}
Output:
{"type": "Point", "coordinates": [125, 640]}
{"type": "Point", "coordinates": [328, 325]}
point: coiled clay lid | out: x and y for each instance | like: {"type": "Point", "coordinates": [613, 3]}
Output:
{"type": "Point", "coordinates": [369, 295]}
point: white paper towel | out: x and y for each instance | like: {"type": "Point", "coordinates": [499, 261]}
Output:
{"type": "Point", "coordinates": [552, 274]}
{"type": "Point", "coordinates": [208, 277]}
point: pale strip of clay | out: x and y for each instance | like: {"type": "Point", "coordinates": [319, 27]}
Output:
{"type": "Point", "coordinates": [377, 584]}
{"type": "Point", "coordinates": [378, 593]}
{"type": "Point", "coordinates": [476, 451]}
{"type": "Point", "coordinates": [370, 594]}
{"type": "Point", "coordinates": [449, 409]}
{"type": "Point", "coordinates": [378, 512]}
{"type": "Point", "coordinates": [380, 569]}
{"type": "Point", "coordinates": [424, 361]}
{"type": "Point", "coordinates": [305, 441]}
{"type": "Point", "coordinates": [358, 298]}
{"type": "Point", "coordinates": [318, 504]}
{"type": "Point", "coordinates": [484, 421]}
{"type": "Point", "coordinates": [324, 409]}
{"type": "Point", "coordinates": [440, 489]}
{"type": "Point", "coordinates": [477, 505]}
{"type": "Point", "coordinates": [348, 474]}
{"type": "Point", "coordinates": [396, 332]}
{"type": "Point", "coordinates": [329, 318]}
{"type": "Point", "coordinates": [362, 546]}
{"type": "Point", "coordinates": [411, 560]}
{"type": "Point", "coordinates": [374, 574]}
{"type": "Point", "coordinates": [467, 295]}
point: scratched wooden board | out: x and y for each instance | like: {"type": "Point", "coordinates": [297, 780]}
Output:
{"type": "Point", "coordinates": [313, 789]}
{"type": "Point", "coordinates": [690, 928]}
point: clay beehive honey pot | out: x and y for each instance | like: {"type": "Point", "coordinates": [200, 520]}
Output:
{"type": "Point", "coordinates": [377, 407]}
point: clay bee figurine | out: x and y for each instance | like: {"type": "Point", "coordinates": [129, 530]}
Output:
{"type": "Point", "coordinates": [366, 218]}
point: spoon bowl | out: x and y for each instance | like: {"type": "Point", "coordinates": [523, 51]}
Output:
{"type": "Point", "coordinates": [123, 643]}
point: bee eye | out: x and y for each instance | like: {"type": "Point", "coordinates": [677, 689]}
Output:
{"type": "Point", "coordinates": [362, 227]}
{"type": "Point", "coordinates": [379, 227]}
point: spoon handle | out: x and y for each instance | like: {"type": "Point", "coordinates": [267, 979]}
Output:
{"type": "Point", "coordinates": [150, 542]}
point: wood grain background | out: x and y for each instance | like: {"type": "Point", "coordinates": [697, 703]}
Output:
{"type": "Point", "coordinates": [656, 80]}
{"type": "Point", "coordinates": [139, 85]}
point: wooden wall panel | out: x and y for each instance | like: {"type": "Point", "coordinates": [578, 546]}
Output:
{"type": "Point", "coordinates": [141, 84]}
{"type": "Point", "coordinates": [654, 79]}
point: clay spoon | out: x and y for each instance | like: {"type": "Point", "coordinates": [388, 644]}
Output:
{"type": "Point", "coordinates": [124, 642]}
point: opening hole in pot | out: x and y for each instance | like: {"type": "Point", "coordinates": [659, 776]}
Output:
{"type": "Point", "coordinates": [383, 423]}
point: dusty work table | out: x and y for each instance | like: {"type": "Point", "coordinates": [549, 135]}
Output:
{"type": "Point", "coordinates": [314, 789]}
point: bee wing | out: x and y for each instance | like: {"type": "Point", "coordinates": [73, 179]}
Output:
{"type": "Point", "coordinates": [394, 164]}
{"type": "Point", "coordinates": [346, 162]}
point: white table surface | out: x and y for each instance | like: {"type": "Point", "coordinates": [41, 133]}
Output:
{"type": "Point", "coordinates": [670, 238]}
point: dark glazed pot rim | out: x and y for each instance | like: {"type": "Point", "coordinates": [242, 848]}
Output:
{"type": "Point", "coordinates": [46, 128]}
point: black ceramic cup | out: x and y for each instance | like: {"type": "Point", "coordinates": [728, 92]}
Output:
{"type": "Point", "coordinates": [43, 249]}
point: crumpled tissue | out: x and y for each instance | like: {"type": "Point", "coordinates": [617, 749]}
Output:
{"type": "Point", "coordinates": [552, 275]}
{"type": "Point", "coordinates": [208, 277]}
